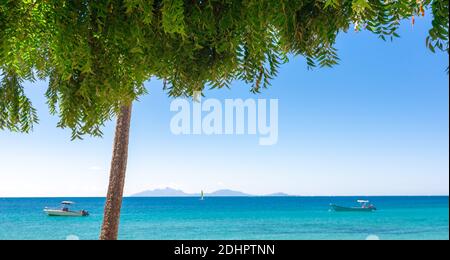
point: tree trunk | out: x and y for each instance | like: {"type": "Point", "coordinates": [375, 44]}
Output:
{"type": "Point", "coordinates": [111, 219]}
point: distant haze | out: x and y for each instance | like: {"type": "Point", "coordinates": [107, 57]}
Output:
{"type": "Point", "coordinates": [169, 192]}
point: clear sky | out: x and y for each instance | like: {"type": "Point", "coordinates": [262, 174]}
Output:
{"type": "Point", "coordinates": [377, 124]}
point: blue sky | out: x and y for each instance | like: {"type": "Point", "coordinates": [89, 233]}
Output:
{"type": "Point", "coordinates": [377, 124]}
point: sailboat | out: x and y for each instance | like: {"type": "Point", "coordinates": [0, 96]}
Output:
{"type": "Point", "coordinates": [202, 196]}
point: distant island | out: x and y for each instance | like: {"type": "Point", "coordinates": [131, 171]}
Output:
{"type": "Point", "coordinates": [169, 192]}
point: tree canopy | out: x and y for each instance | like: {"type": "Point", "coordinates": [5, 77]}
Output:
{"type": "Point", "coordinates": [97, 54]}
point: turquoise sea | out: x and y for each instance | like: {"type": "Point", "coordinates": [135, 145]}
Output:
{"type": "Point", "coordinates": [252, 218]}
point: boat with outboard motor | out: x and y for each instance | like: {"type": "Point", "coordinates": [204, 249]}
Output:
{"type": "Point", "coordinates": [65, 211]}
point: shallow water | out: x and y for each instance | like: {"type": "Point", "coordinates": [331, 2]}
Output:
{"type": "Point", "coordinates": [233, 218]}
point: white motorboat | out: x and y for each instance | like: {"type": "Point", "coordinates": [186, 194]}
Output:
{"type": "Point", "coordinates": [64, 211]}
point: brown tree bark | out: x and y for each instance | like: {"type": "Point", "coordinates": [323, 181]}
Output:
{"type": "Point", "coordinates": [111, 219]}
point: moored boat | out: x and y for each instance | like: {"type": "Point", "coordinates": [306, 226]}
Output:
{"type": "Point", "coordinates": [365, 207]}
{"type": "Point", "coordinates": [64, 211]}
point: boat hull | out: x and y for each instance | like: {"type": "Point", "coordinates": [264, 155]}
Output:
{"type": "Point", "coordinates": [346, 209]}
{"type": "Point", "coordinates": [61, 213]}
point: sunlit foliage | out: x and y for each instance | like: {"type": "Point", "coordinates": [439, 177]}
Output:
{"type": "Point", "coordinates": [97, 54]}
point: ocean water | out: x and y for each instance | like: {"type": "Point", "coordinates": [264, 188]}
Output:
{"type": "Point", "coordinates": [233, 218]}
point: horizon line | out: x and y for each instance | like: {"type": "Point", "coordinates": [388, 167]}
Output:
{"type": "Point", "coordinates": [249, 196]}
